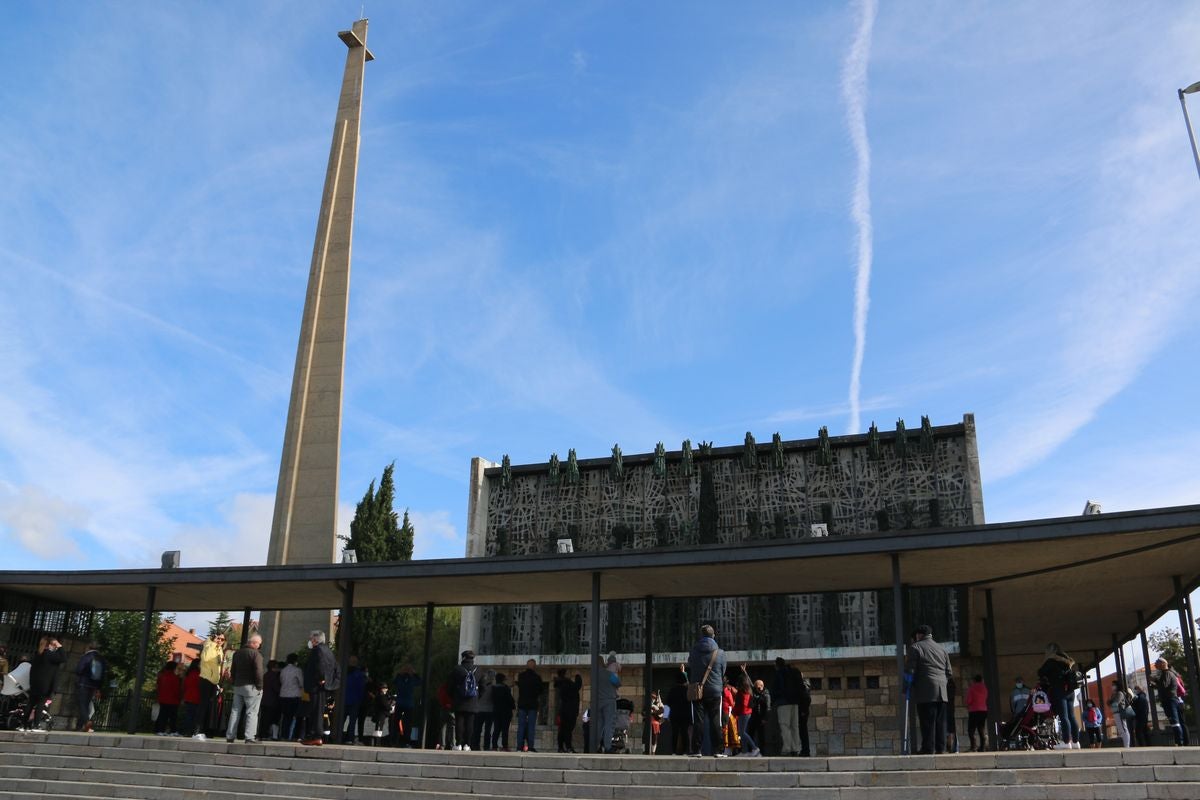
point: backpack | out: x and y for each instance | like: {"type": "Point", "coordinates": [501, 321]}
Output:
{"type": "Point", "coordinates": [1180, 690]}
{"type": "Point", "coordinates": [96, 670]}
{"type": "Point", "coordinates": [470, 688]}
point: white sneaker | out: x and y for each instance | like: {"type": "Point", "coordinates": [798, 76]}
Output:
{"type": "Point", "coordinates": [458, 747]}
{"type": "Point", "coordinates": [1075, 745]}
{"type": "Point", "coordinates": [1063, 746]}
{"type": "Point", "coordinates": [467, 747]}
{"type": "Point", "coordinates": [728, 752]}
{"type": "Point", "coordinates": [200, 737]}
{"type": "Point", "coordinates": [755, 753]}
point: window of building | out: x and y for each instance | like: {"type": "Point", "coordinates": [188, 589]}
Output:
{"type": "Point", "coordinates": [854, 682]}
{"type": "Point", "coordinates": [872, 681]}
{"type": "Point", "coordinates": [835, 684]}
{"type": "Point", "coordinates": [814, 684]}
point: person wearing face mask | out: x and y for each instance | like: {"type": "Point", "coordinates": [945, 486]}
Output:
{"type": "Point", "coordinates": [1019, 697]}
{"type": "Point", "coordinates": [320, 676]}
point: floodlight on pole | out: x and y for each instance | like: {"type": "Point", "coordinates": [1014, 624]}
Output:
{"type": "Point", "coordinates": [1183, 93]}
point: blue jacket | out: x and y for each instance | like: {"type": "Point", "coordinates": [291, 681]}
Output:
{"type": "Point", "coordinates": [698, 662]}
{"type": "Point", "coordinates": [356, 686]}
{"type": "Point", "coordinates": [402, 687]}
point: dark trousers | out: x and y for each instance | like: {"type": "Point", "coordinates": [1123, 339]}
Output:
{"type": "Point", "coordinates": [289, 711]}
{"type": "Point", "coordinates": [805, 750]}
{"type": "Point", "coordinates": [166, 719]}
{"type": "Point", "coordinates": [208, 708]}
{"type": "Point", "coordinates": [482, 734]}
{"type": "Point", "coordinates": [707, 714]}
{"type": "Point", "coordinates": [976, 722]}
{"type": "Point", "coordinates": [464, 724]}
{"type": "Point", "coordinates": [500, 724]}
{"type": "Point", "coordinates": [403, 727]}
{"type": "Point", "coordinates": [1141, 731]}
{"type": "Point", "coordinates": [353, 722]}
{"type": "Point", "coordinates": [933, 726]}
{"type": "Point", "coordinates": [83, 698]}
{"type": "Point", "coordinates": [190, 712]}
{"type": "Point", "coordinates": [566, 730]}
{"type": "Point", "coordinates": [315, 728]}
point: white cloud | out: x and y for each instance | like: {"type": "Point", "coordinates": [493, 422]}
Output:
{"type": "Point", "coordinates": [436, 535]}
{"type": "Point", "coordinates": [41, 522]}
{"type": "Point", "coordinates": [579, 61]}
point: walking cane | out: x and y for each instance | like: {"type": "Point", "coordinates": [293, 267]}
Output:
{"type": "Point", "coordinates": [904, 742]}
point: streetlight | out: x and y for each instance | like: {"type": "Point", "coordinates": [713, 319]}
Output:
{"type": "Point", "coordinates": [1195, 87]}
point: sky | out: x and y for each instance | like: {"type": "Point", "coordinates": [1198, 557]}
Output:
{"type": "Point", "coordinates": [580, 225]}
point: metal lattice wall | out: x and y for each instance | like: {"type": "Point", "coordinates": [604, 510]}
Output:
{"type": "Point", "coordinates": [856, 485]}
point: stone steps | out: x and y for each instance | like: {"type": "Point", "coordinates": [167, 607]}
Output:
{"type": "Point", "coordinates": [100, 765]}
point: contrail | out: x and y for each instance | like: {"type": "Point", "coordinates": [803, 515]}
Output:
{"type": "Point", "coordinates": [854, 94]}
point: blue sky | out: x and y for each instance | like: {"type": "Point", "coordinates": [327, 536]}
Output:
{"type": "Point", "coordinates": [580, 225]}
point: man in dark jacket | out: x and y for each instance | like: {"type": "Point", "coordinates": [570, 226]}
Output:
{"type": "Point", "coordinates": [928, 666]}
{"type": "Point", "coordinates": [404, 687]}
{"type": "Point", "coordinates": [91, 672]}
{"type": "Point", "coordinates": [247, 678]}
{"type": "Point", "coordinates": [706, 665]}
{"type": "Point", "coordinates": [50, 656]}
{"type": "Point", "coordinates": [320, 678]}
{"type": "Point", "coordinates": [1141, 717]}
{"type": "Point", "coordinates": [356, 692]}
{"type": "Point", "coordinates": [1166, 688]}
{"type": "Point", "coordinates": [568, 709]}
{"type": "Point", "coordinates": [529, 693]}
{"type": "Point", "coordinates": [502, 713]}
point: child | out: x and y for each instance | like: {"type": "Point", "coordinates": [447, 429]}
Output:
{"type": "Point", "coordinates": [1093, 721]}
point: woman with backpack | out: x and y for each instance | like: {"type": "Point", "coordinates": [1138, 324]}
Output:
{"type": "Point", "coordinates": [1122, 712]}
{"type": "Point", "coordinates": [464, 691]}
{"type": "Point", "coordinates": [1061, 679]}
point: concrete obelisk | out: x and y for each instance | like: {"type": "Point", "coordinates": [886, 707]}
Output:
{"type": "Point", "coordinates": [304, 528]}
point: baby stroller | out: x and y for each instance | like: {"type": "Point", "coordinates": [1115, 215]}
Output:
{"type": "Point", "coordinates": [620, 739]}
{"type": "Point", "coordinates": [1032, 727]}
{"type": "Point", "coordinates": [15, 694]}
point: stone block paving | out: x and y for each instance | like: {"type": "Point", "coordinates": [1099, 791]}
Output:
{"type": "Point", "coordinates": [70, 765]}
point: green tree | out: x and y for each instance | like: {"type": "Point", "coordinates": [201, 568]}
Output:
{"type": "Point", "coordinates": [119, 634]}
{"type": "Point", "coordinates": [1169, 645]}
{"type": "Point", "coordinates": [383, 637]}
{"type": "Point", "coordinates": [220, 625]}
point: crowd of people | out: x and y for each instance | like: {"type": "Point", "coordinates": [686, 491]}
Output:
{"type": "Point", "coordinates": [711, 709]}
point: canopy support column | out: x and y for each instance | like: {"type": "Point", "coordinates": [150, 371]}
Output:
{"type": "Point", "coordinates": [648, 670]}
{"type": "Point", "coordinates": [1188, 635]}
{"type": "Point", "coordinates": [1146, 664]}
{"type": "Point", "coordinates": [594, 623]}
{"type": "Point", "coordinates": [991, 671]}
{"type": "Point", "coordinates": [425, 679]}
{"type": "Point", "coordinates": [902, 689]}
{"type": "Point", "coordinates": [135, 702]}
{"type": "Point", "coordinates": [345, 643]}
{"type": "Point", "coordinates": [1100, 684]}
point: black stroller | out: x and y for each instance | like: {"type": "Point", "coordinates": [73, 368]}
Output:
{"type": "Point", "coordinates": [15, 698]}
{"type": "Point", "coordinates": [620, 739]}
{"type": "Point", "coordinates": [1032, 727]}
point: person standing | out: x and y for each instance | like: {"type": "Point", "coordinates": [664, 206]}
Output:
{"type": "Point", "coordinates": [247, 678]}
{"type": "Point", "coordinates": [502, 713]}
{"type": "Point", "coordinates": [928, 667]}
{"type": "Point", "coordinates": [977, 711]}
{"type": "Point", "coordinates": [529, 695]}
{"type": "Point", "coordinates": [169, 693]}
{"type": "Point", "coordinates": [1118, 704]}
{"type": "Point", "coordinates": [356, 692]}
{"type": "Point", "coordinates": [44, 668]}
{"type": "Point", "coordinates": [743, 711]}
{"type": "Point", "coordinates": [679, 715]}
{"type": "Point", "coordinates": [291, 687]}
{"type": "Point", "coordinates": [1141, 717]}
{"type": "Point", "coordinates": [792, 699]}
{"type": "Point", "coordinates": [1058, 674]}
{"type": "Point", "coordinates": [269, 716]}
{"type": "Point", "coordinates": [762, 712]}
{"type": "Point", "coordinates": [464, 692]}
{"type": "Point", "coordinates": [191, 698]}
{"type": "Point", "coordinates": [706, 669]}
{"type": "Point", "coordinates": [404, 689]}
{"type": "Point", "coordinates": [212, 662]}
{"type": "Point", "coordinates": [481, 735]}
{"type": "Point", "coordinates": [567, 691]}
{"type": "Point", "coordinates": [320, 678]}
{"type": "Point", "coordinates": [90, 672]}
{"type": "Point", "coordinates": [1166, 687]}
{"type": "Point", "coordinates": [606, 711]}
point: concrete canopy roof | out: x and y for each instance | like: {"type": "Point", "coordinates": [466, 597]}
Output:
{"type": "Point", "coordinates": [1074, 580]}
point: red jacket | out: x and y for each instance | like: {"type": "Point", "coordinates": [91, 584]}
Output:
{"type": "Point", "coordinates": [743, 703]}
{"type": "Point", "coordinates": [977, 696]}
{"type": "Point", "coordinates": [170, 689]}
{"type": "Point", "coordinates": [191, 687]}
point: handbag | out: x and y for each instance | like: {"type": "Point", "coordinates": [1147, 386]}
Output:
{"type": "Point", "coordinates": [695, 691]}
